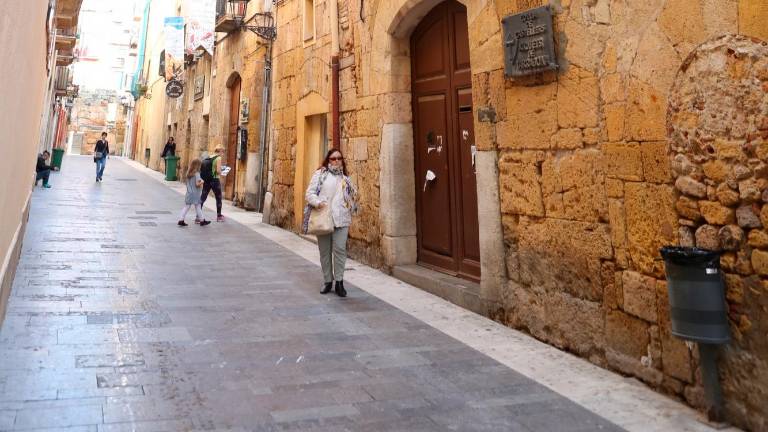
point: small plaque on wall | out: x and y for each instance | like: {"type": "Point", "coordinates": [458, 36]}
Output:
{"type": "Point", "coordinates": [199, 87]}
{"type": "Point", "coordinates": [529, 45]}
{"type": "Point", "coordinates": [245, 110]}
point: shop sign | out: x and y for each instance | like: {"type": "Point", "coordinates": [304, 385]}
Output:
{"type": "Point", "coordinates": [174, 89]}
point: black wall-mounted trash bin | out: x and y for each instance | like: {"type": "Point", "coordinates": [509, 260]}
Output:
{"type": "Point", "coordinates": [696, 295]}
{"type": "Point", "coordinates": [698, 312]}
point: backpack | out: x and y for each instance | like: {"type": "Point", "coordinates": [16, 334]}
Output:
{"type": "Point", "coordinates": [206, 169]}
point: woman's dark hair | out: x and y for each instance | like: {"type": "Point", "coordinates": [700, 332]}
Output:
{"type": "Point", "coordinates": [327, 161]}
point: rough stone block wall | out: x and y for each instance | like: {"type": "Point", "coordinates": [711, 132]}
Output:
{"type": "Point", "coordinates": [585, 180]}
{"type": "Point", "coordinates": [718, 125]}
{"type": "Point", "coordinates": [89, 117]}
{"type": "Point", "coordinates": [197, 131]}
{"type": "Point", "coordinates": [301, 69]}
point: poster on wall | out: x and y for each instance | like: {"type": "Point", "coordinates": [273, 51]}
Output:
{"type": "Point", "coordinates": [174, 46]}
{"type": "Point", "coordinates": [245, 110]}
{"type": "Point", "coordinates": [201, 25]}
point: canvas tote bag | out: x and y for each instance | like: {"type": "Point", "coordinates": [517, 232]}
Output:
{"type": "Point", "coordinates": [320, 221]}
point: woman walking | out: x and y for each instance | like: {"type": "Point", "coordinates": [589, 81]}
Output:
{"type": "Point", "coordinates": [192, 199]}
{"type": "Point", "coordinates": [331, 187]}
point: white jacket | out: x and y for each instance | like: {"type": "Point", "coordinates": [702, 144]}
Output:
{"type": "Point", "coordinates": [332, 192]}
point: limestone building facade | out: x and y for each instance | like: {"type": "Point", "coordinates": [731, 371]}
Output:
{"type": "Point", "coordinates": [221, 102]}
{"type": "Point", "coordinates": [554, 191]}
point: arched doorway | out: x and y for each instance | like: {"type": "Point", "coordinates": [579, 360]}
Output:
{"type": "Point", "coordinates": [444, 151]}
{"type": "Point", "coordinates": [234, 85]}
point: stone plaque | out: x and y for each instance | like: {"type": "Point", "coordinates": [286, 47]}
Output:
{"type": "Point", "coordinates": [529, 45]}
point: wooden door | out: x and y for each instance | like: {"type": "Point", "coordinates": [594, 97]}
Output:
{"type": "Point", "coordinates": [231, 156]}
{"type": "Point", "coordinates": [446, 206]}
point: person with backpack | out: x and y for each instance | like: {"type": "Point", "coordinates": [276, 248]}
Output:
{"type": "Point", "coordinates": [192, 199]}
{"type": "Point", "coordinates": [210, 172]}
{"type": "Point", "coordinates": [100, 153]}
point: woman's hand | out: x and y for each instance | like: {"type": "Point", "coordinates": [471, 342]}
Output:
{"type": "Point", "coordinates": [322, 205]}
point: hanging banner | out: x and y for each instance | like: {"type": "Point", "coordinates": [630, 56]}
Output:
{"type": "Point", "coordinates": [174, 46]}
{"type": "Point", "coordinates": [201, 25]}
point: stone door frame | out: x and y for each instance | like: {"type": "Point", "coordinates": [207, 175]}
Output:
{"type": "Point", "coordinates": [390, 63]}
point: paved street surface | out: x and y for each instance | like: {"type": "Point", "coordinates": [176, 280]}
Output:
{"type": "Point", "coordinates": [121, 321]}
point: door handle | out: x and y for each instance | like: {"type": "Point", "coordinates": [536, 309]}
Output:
{"type": "Point", "coordinates": [428, 178]}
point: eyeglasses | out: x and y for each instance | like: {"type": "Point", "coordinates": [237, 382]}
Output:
{"type": "Point", "coordinates": [335, 158]}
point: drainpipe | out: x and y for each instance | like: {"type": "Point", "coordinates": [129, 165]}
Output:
{"type": "Point", "coordinates": [266, 102]}
{"type": "Point", "coordinates": [335, 72]}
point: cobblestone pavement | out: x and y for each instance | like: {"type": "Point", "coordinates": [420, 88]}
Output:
{"type": "Point", "coordinates": [121, 321]}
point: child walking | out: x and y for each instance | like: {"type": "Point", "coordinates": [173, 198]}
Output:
{"type": "Point", "coordinates": [194, 191]}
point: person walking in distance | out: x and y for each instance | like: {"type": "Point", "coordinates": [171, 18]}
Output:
{"type": "Point", "coordinates": [169, 149]}
{"type": "Point", "coordinates": [192, 199]}
{"type": "Point", "coordinates": [331, 186]}
{"type": "Point", "coordinates": [100, 153]}
{"type": "Point", "coordinates": [210, 173]}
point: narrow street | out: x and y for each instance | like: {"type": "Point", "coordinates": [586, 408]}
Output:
{"type": "Point", "coordinates": [103, 333]}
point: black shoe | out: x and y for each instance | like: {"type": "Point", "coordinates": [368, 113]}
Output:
{"type": "Point", "coordinates": [204, 222]}
{"type": "Point", "coordinates": [340, 291]}
{"type": "Point", "coordinates": [182, 223]}
{"type": "Point", "coordinates": [327, 288]}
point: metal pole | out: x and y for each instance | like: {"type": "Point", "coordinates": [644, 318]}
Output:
{"type": "Point", "coordinates": [711, 379]}
{"type": "Point", "coordinates": [263, 132]}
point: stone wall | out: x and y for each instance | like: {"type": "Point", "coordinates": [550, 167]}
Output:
{"type": "Point", "coordinates": [587, 192]}
{"type": "Point", "coordinates": [718, 126]}
{"type": "Point", "coordinates": [89, 117]}
{"type": "Point", "coordinates": [200, 124]}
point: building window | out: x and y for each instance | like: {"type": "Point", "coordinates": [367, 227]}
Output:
{"type": "Point", "coordinates": [309, 20]}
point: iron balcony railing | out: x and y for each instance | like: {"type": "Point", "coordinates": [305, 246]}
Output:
{"type": "Point", "coordinates": [227, 19]}
{"type": "Point", "coordinates": [63, 80]}
{"type": "Point", "coordinates": [221, 8]}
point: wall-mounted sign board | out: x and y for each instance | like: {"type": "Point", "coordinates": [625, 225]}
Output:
{"type": "Point", "coordinates": [529, 45]}
{"type": "Point", "coordinates": [174, 89]}
{"type": "Point", "coordinates": [199, 87]}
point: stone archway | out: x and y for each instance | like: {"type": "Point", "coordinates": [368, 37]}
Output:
{"type": "Point", "coordinates": [390, 74]}
{"type": "Point", "coordinates": [717, 121]}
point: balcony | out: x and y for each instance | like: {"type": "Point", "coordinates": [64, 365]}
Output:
{"type": "Point", "coordinates": [64, 60]}
{"type": "Point", "coordinates": [65, 39]}
{"type": "Point", "coordinates": [227, 19]}
{"type": "Point", "coordinates": [63, 81]}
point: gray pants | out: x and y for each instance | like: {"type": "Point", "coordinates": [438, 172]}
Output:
{"type": "Point", "coordinates": [333, 254]}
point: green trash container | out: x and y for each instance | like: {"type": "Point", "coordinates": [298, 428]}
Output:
{"type": "Point", "coordinates": [171, 162]}
{"type": "Point", "coordinates": [58, 157]}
